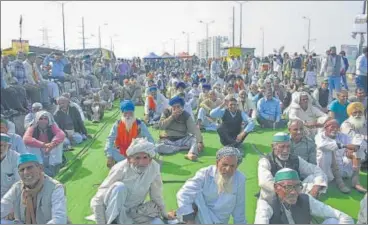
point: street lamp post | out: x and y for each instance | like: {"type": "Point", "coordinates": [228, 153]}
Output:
{"type": "Point", "coordinates": [263, 39]}
{"type": "Point", "coordinates": [63, 18]}
{"type": "Point", "coordinates": [174, 40]}
{"type": "Point", "coordinates": [188, 39]}
{"type": "Point", "coordinates": [207, 25]}
{"type": "Point", "coordinates": [241, 22]}
{"type": "Point", "coordinates": [309, 26]}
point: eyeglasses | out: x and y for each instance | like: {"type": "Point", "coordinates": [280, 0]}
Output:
{"type": "Point", "coordinates": [290, 188]}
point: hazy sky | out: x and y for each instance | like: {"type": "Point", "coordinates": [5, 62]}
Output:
{"type": "Point", "coordinates": [142, 27]}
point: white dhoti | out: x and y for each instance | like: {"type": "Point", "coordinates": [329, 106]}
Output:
{"type": "Point", "coordinates": [54, 157]}
{"type": "Point", "coordinates": [345, 164]}
{"type": "Point", "coordinates": [116, 210]}
{"type": "Point", "coordinates": [166, 146]}
{"type": "Point", "coordinates": [324, 161]}
{"type": "Point", "coordinates": [310, 78]}
{"type": "Point", "coordinates": [205, 121]}
{"type": "Point", "coordinates": [310, 181]}
{"type": "Point", "coordinates": [331, 221]}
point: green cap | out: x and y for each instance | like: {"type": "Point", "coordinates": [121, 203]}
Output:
{"type": "Point", "coordinates": [5, 138]}
{"type": "Point", "coordinates": [31, 54]}
{"type": "Point", "coordinates": [325, 80]}
{"type": "Point", "coordinates": [281, 137]}
{"type": "Point", "coordinates": [27, 157]}
{"type": "Point", "coordinates": [286, 174]}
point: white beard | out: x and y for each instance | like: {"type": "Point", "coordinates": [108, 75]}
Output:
{"type": "Point", "coordinates": [357, 123]}
{"type": "Point", "coordinates": [224, 184]}
{"type": "Point", "coordinates": [128, 122]}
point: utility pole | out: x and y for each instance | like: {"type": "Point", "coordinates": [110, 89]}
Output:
{"type": "Point", "coordinates": [241, 22]}
{"type": "Point", "coordinates": [309, 27]}
{"type": "Point", "coordinates": [362, 34]}
{"type": "Point", "coordinates": [188, 40]}
{"type": "Point", "coordinates": [174, 40]}
{"type": "Point", "coordinates": [207, 25]}
{"type": "Point", "coordinates": [233, 26]}
{"type": "Point", "coordinates": [63, 16]}
{"type": "Point", "coordinates": [263, 39]}
{"type": "Point", "coordinates": [99, 36]}
{"type": "Point", "coordinates": [84, 41]}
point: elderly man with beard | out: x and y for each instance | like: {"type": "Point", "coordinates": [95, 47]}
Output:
{"type": "Point", "coordinates": [45, 139]}
{"type": "Point", "coordinates": [314, 179]}
{"type": "Point", "coordinates": [36, 198]}
{"type": "Point", "coordinates": [301, 145]}
{"type": "Point", "coordinates": [356, 125]}
{"type": "Point", "coordinates": [215, 192]}
{"type": "Point", "coordinates": [230, 130]}
{"type": "Point", "coordinates": [9, 160]}
{"type": "Point", "coordinates": [204, 121]}
{"type": "Point", "coordinates": [154, 106]}
{"type": "Point", "coordinates": [245, 104]}
{"type": "Point", "coordinates": [291, 206]}
{"type": "Point", "coordinates": [106, 96]}
{"type": "Point", "coordinates": [120, 198]}
{"type": "Point", "coordinates": [179, 131]}
{"type": "Point", "coordinates": [339, 156]}
{"type": "Point", "coordinates": [16, 140]}
{"type": "Point", "coordinates": [123, 132]}
{"type": "Point", "coordinates": [131, 91]}
{"type": "Point", "coordinates": [301, 108]}
{"type": "Point", "coordinates": [193, 95]}
{"type": "Point", "coordinates": [204, 95]}
{"type": "Point", "coordinates": [69, 120]}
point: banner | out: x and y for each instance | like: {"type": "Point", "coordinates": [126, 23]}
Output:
{"type": "Point", "coordinates": [20, 46]}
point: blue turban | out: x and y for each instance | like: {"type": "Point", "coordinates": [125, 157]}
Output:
{"type": "Point", "coordinates": [202, 80]}
{"type": "Point", "coordinates": [152, 88]}
{"type": "Point", "coordinates": [127, 106]}
{"type": "Point", "coordinates": [194, 83]}
{"type": "Point", "coordinates": [27, 157]}
{"type": "Point", "coordinates": [176, 100]}
{"type": "Point", "coordinates": [5, 138]}
{"type": "Point", "coordinates": [180, 85]}
{"type": "Point", "coordinates": [229, 151]}
{"type": "Point", "coordinates": [206, 86]}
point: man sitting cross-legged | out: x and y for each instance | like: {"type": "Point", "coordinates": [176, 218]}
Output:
{"type": "Point", "coordinates": [123, 132]}
{"type": "Point", "coordinates": [339, 156]}
{"type": "Point", "coordinates": [121, 197]}
{"type": "Point", "coordinates": [45, 139]}
{"type": "Point", "coordinates": [314, 179]}
{"type": "Point", "coordinates": [180, 131]}
{"type": "Point", "coordinates": [9, 160]}
{"type": "Point", "coordinates": [36, 198]}
{"type": "Point", "coordinates": [154, 106]}
{"type": "Point", "coordinates": [356, 126]}
{"type": "Point", "coordinates": [290, 206]}
{"type": "Point", "coordinates": [215, 192]}
{"type": "Point", "coordinates": [301, 144]}
{"type": "Point", "coordinates": [205, 121]}
{"type": "Point", "coordinates": [230, 131]}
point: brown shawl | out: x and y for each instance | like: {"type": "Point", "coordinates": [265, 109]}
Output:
{"type": "Point", "coordinates": [30, 200]}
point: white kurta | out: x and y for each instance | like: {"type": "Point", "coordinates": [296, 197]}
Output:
{"type": "Point", "coordinates": [212, 207]}
{"type": "Point", "coordinates": [9, 171]}
{"type": "Point", "coordinates": [327, 146]}
{"type": "Point", "coordinates": [264, 212]}
{"type": "Point", "coordinates": [362, 216]}
{"type": "Point", "coordinates": [124, 189]}
{"type": "Point", "coordinates": [311, 174]}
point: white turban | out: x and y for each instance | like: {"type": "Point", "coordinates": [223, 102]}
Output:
{"type": "Point", "coordinates": [141, 145]}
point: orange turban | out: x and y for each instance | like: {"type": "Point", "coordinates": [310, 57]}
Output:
{"type": "Point", "coordinates": [355, 106]}
{"type": "Point", "coordinates": [126, 81]}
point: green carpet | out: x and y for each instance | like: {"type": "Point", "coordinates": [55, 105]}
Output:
{"type": "Point", "coordinates": [84, 173]}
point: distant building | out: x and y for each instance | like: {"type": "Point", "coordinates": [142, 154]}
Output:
{"type": "Point", "coordinates": [215, 44]}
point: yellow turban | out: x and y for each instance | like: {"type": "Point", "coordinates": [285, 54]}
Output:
{"type": "Point", "coordinates": [355, 106]}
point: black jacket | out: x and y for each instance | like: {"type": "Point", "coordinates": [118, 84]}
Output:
{"type": "Point", "coordinates": [60, 118]}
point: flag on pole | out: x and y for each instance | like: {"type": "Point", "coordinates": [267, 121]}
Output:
{"type": "Point", "coordinates": [21, 20]}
